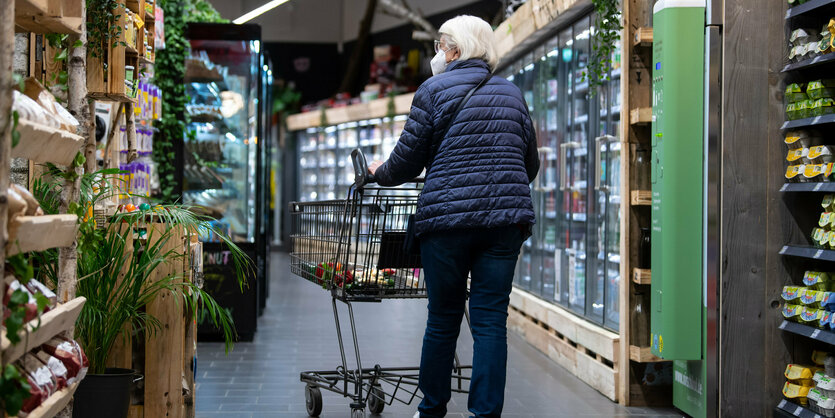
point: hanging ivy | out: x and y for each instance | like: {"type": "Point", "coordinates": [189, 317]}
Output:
{"type": "Point", "coordinates": [102, 27]}
{"type": "Point", "coordinates": [202, 11]}
{"type": "Point", "coordinates": [604, 40]}
{"type": "Point", "coordinates": [170, 68]}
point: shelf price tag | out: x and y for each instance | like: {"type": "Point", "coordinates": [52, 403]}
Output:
{"type": "Point", "coordinates": [782, 403]}
{"type": "Point", "coordinates": [783, 326]}
{"type": "Point", "coordinates": [815, 333]}
{"type": "Point", "coordinates": [784, 187]}
{"type": "Point", "coordinates": [818, 254]}
{"type": "Point", "coordinates": [798, 411]}
{"type": "Point", "coordinates": [818, 186]}
{"type": "Point", "coordinates": [783, 250]}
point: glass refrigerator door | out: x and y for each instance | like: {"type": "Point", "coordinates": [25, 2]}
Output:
{"type": "Point", "coordinates": [220, 161]}
{"type": "Point", "coordinates": [308, 165]}
{"type": "Point", "coordinates": [549, 136]}
{"type": "Point", "coordinates": [576, 167]}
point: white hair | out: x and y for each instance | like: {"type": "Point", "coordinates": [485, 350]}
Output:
{"type": "Point", "coordinates": [472, 36]}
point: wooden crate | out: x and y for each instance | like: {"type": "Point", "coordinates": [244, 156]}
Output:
{"type": "Point", "coordinates": [586, 350]}
{"type": "Point", "coordinates": [48, 16]}
{"type": "Point", "coordinates": [110, 85]}
{"type": "Point", "coordinates": [168, 353]}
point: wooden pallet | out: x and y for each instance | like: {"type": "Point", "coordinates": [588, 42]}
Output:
{"type": "Point", "coordinates": [48, 16]}
{"type": "Point", "coordinates": [39, 331]}
{"type": "Point", "coordinates": [110, 86]}
{"type": "Point", "coordinates": [640, 116]}
{"type": "Point", "coordinates": [640, 198]}
{"type": "Point", "coordinates": [641, 276]}
{"type": "Point", "coordinates": [642, 38]}
{"type": "Point", "coordinates": [586, 350]}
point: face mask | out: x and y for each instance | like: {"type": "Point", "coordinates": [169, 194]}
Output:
{"type": "Point", "coordinates": [438, 63]}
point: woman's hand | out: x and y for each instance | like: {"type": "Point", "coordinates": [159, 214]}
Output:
{"type": "Point", "coordinates": [372, 168]}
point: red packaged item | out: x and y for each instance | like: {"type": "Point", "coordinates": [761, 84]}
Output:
{"type": "Point", "coordinates": [36, 287]}
{"type": "Point", "coordinates": [55, 366]}
{"type": "Point", "coordinates": [36, 394]}
{"type": "Point", "coordinates": [70, 354]}
{"type": "Point", "coordinates": [31, 305]}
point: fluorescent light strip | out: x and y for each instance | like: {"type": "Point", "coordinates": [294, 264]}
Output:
{"type": "Point", "coordinates": [259, 11]}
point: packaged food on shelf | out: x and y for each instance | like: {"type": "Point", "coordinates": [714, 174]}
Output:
{"type": "Point", "coordinates": [796, 92]}
{"type": "Point", "coordinates": [818, 172]}
{"type": "Point", "coordinates": [818, 357]}
{"type": "Point", "coordinates": [791, 311]}
{"type": "Point", "coordinates": [69, 353]}
{"type": "Point", "coordinates": [818, 280]}
{"type": "Point", "coordinates": [824, 106]}
{"type": "Point", "coordinates": [36, 91]}
{"type": "Point", "coordinates": [820, 153]}
{"type": "Point", "coordinates": [819, 89]}
{"type": "Point", "coordinates": [799, 139]}
{"type": "Point", "coordinates": [825, 320]}
{"type": "Point", "coordinates": [796, 393]}
{"type": "Point", "coordinates": [810, 316]}
{"type": "Point", "coordinates": [793, 110]}
{"type": "Point", "coordinates": [55, 366]}
{"type": "Point", "coordinates": [803, 36]}
{"type": "Point", "coordinates": [30, 110]}
{"type": "Point", "coordinates": [791, 293]}
{"type": "Point", "coordinates": [798, 154]}
{"type": "Point", "coordinates": [794, 173]}
{"type": "Point", "coordinates": [41, 376]}
{"type": "Point", "coordinates": [820, 403]}
{"type": "Point", "coordinates": [819, 237]}
{"type": "Point", "coordinates": [825, 384]}
{"type": "Point", "coordinates": [801, 374]}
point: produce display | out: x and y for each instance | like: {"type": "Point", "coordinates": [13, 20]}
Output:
{"type": "Point", "coordinates": [328, 272]}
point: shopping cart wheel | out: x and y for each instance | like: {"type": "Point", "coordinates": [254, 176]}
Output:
{"type": "Point", "coordinates": [358, 413]}
{"type": "Point", "coordinates": [313, 399]}
{"type": "Point", "coordinates": [376, 401]}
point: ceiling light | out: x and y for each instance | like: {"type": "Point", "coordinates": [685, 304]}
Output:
{"type": "Point", "coordinates": [259, 11]}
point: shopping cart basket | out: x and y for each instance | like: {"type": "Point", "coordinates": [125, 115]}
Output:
{"type": "Point", "coordinates": [353, 248]}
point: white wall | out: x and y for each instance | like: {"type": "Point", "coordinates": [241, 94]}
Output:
{"type": "Point", "coordinates": [319, 20]}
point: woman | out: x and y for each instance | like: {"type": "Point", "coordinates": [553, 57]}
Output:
{"type": "Point", "coordinates": [474, 211]}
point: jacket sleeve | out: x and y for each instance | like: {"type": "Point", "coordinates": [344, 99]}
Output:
{"type": "Point", "coordinates": [532, 153]}
{"type": "Point", "coordinates": [411, 153]}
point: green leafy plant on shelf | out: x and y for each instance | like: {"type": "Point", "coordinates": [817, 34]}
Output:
{"type": "Point", "coordinates": [103, 28]}
{"type": "Point", "coordinates": [116, 262]}
{"type": "Point", "coordinates": [60, 42]}
{"type": "Point", "coordinates": [604, 41]}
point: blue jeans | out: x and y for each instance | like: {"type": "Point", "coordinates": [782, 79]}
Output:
{"type": "Point", "coordinates": [489, 256]}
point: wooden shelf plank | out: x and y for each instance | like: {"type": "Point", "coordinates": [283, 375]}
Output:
{"type": "Point", "coordinates": [42, 144]}
{"type": "Point", "coordinates": [51, 324]}
{"type": "Point", "coordinates": [35, 16]}
{"type": "Point", "coordinates": [640, 116]}
{"type": "Point", "coordinates": [641, 198]}
{"type": "Point", "coordinates": [643, 355]}
{"type": "Point", "coordinates": [641, 276]}
{"type": "Point", "coordinates": [55, 403]}
{"type": "Point", "coordinates": [39, 233]}
{"type": "Point", "coordinates": [643, 37]}
{"type": "Point", "coordinates": [360, 111]}
{"type": "Point", "coordinates": [30, 7]}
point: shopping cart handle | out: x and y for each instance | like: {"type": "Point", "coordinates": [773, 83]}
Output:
{"type": "Point", "coordinates": [361, 174]}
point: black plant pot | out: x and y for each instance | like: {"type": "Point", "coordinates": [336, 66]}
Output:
{"type": "Point", "coordinates": [104, 395]}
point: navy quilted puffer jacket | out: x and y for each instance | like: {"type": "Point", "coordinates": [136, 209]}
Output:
{"type": "Point", "coordinates": [481, 175]}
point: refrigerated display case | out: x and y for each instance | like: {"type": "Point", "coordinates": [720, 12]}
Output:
{"type": "Point", "coordinates": [573, 257]}
{"type": "Point", "coordinates": [223, 156]}
{"type": "Point", "coordinates": [325, 170]}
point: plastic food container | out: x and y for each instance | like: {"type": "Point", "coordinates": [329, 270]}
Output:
{"type": "Point", "coordinates": [818, 280]}
{"type": "Point", "coordinates": [824, 106]}
{"type": "Point", "coordinates": [798, 154]}
{"type": "Point", "coordinates": [815, 172]}
{"type": "Point", "coordinates": [792, 112]}
{"type": "Point", "coordinates": [792, 312]}
{"type": "Point", "coordinates": [820, 153]}
{"type": "Point", "coordinates": [798, 139]}
{"type": "Point", "coordinates": [798, 372]}
{"type": "Point", "coordinates": [795, 92]}
{"type": "Point", "coordinates": [792, 293]}
{"type": "Point", "coordinates": [810, 298]}
{"type": "Point", "coordinates": [796, 393]}
{"type": "Point", "coordinates": [811, 316]}
{"type": "Point", "coordinates": [825, 385]}
{"type": "Point", "coordinates": [802, 36]}
{"type": "Point", "coordinates": [794, 173]}
{"type": "Point", "coordinates": [819, 237]}
{"type": "Point", "coordinates": [826, 202]}
{"type": "Point", "coordinates": [819, 89]}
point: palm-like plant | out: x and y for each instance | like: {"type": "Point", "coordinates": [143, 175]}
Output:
{"type": "Point", "coordinates": [115, 264]}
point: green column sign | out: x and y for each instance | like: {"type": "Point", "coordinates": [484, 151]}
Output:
{"type": "Point", "coordinates": [678, 197]}
{"type": "Point", "coordinates": [677, 174]}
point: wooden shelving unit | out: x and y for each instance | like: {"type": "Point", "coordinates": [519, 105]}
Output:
{"type": "Point", "coordinates": [110, 85]}
{"type": "Point", "coordinates": [636, 87]}
{"type": "Point", "coordinates": [55, 403]}
{"type": "Point", "coordinates": [374, 109]}
{"type": "Point", "coordinates": [49, 16]}
{"type": "Point", "coordinates": [34, 334]}
{"type": "Point", "coordinates": [41, 143]}
{"type": "Point", "coordinates": [38, 233]}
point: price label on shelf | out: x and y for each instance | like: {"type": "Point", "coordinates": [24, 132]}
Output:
{"type": "Point", "coordinates": [783, 250]}
{"type": "Point", "coordinates": [797, 411]}
{"type": "Point", "coordinates": [782, 403]}
{"type": "Point", "coordinates": [783, 326]}
{"type": "Point", "coordinates": [815, 333]}
{"type": "Point", "coordinates": [818, 254]}
{"type": "Point", "coordinates": [784, 187]}
{"type": "Point", "coordinates": [818, 186]}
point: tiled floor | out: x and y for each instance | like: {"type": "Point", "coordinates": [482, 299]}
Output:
{"type": "Point", "coordinates": [297, 333]}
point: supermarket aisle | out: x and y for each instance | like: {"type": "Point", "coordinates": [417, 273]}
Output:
{"type": "Point", "coordinates": [297, 333]}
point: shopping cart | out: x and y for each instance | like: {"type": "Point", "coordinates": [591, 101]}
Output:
{"type": "Point", "coordinates": [353, 248]}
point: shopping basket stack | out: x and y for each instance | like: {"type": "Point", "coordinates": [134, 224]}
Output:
{"type": "Point", "coordinates": [354, 249]}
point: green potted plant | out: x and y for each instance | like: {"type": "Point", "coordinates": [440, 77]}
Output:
{"type": "Point", "coordinates": [115, 262]}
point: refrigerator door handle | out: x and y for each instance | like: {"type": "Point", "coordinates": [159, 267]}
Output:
{"type": "Point", "coordinates": [563, 170]}
{"type": "Point", "coordinates": [598, 171]}
{"type": "Point", "coordinates": [544, 153]}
